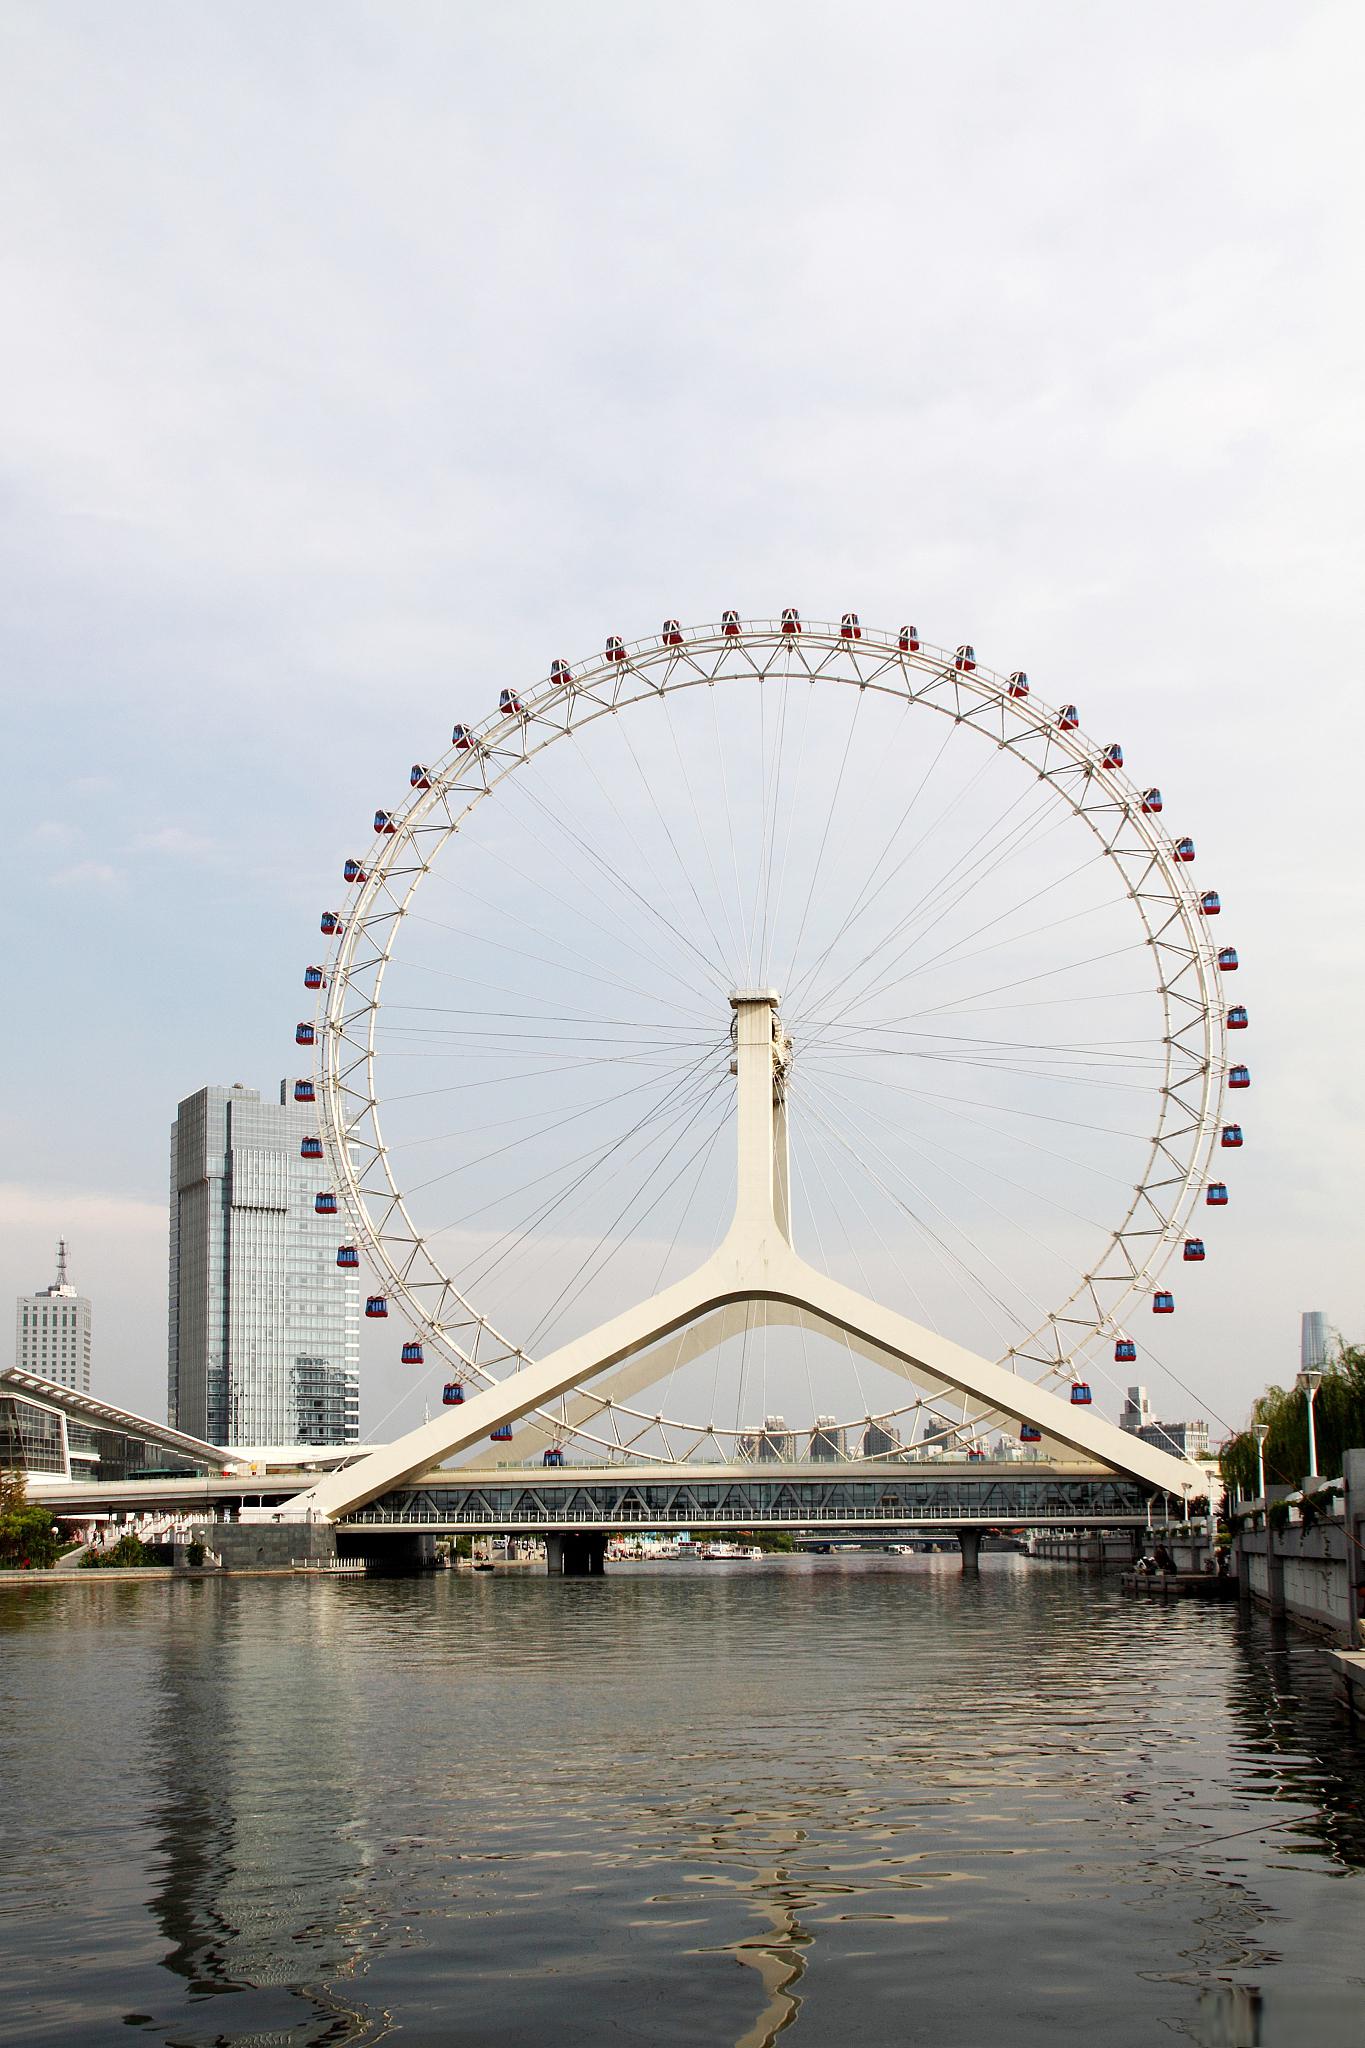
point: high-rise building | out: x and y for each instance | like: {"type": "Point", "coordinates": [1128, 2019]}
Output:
{"type": "Point", "coordinates": [264, 1325]}
{"type": "Point", "coordinates": [827, 1440]}
{"type": "Point", "coordinates": [1181, 1439]}
{"type": "Point", "coordinates": [52, 1331]}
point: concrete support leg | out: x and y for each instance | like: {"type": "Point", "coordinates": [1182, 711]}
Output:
{"type": "Point", "coordinates": [575, 1553]}
{"type": "Point", "coordinates": [970, 1540]}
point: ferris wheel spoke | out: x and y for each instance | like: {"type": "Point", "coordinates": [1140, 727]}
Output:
{"type": "Point", "coordinates": [791, 985]}
{"type": "Point", "coordinates": [725, 971]}
{"type": "Point", "coordinates": [736, 950]}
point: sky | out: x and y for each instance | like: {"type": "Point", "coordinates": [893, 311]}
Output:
{"type": "Point", "coordinates": [355, 353]}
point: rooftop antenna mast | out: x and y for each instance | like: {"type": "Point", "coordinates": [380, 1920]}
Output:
{"type": "Point", "coordinates": [61, 1262]}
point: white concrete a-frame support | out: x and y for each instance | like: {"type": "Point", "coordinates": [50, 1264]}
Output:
{"type": "Point", "coordinates": [757, 1264]}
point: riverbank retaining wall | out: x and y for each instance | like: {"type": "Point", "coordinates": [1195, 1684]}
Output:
{"type": "Point", "coordinates": [1307, 1566]}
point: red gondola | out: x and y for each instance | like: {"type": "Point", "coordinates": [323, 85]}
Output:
{"type": "Point", "coordinates": [303, 1034]}
{"type": "Point", "coordinates": [330, 925]}
{"type": "Point", "coordinates": [1184, 849]}
{"type": "Point", "coordinates": [412, 1354]}
{"type": "Point", "coordinates": [501, 1435]}
{"type": "Point", "coordinates": [348, 1256]}
{"type": "Point", "coordinates": [509, 704]}
{"type": "Point", "coordinates": [849, 629]}
{"type": "Point", "coordinates": [672, 633]}
{"type": "Point", "coordinates": [313, 977]}
{"type": "Point", "coordinates": [310, 1148]}
{"type": "Point", "coordinates": [1163, 1302]}
{"type": "Point", "coordinates": [1194, 1251]}
{"type": "Point", "coordinates": [615, 648]}
{"type": "Point", "coordinates": [1209, 903]}
{"type": "Point", "coordinates": [1231, 1140]}
{"type": "Point", "coordinates": [1216, 1195]}
{"type": "Point", "coordinates": [452, 1394]}
{"type": "Point", "coordinates": [1227, 960]}
{"type": "Point", "coordinates": [560, 672]}
{"type": "Point", "coordinates": [376, 1306]}
{"type": "Point", "coordinates": [304, 1092]}
{"type": "Point", "coordinates": [909, 639]}
{"type": "Point", "coordinates": [383, 822]}
{"type": "Point", "coordinates": [1028, 1434]}
{"type": "Point", "coordinates": [324, 1204]}
{"type": "Point", "coordinates": [965, 658]}
{"type": "Point", "coordinates": [352, 871]}
{"type": "Point", "coordinates": [1151, 800]}
{"type": "Point", "coordinates": [1125, 1351]}
{"type": "Point", "coordinates": [553, 1456]}
{"type": "Point", "coordinates": [729, 624]}
{"type": "Point", "coordinates": [791, 619]}
{"type": "Point", "coordinates": [1239, 1077]}
{"type": "Point", "coordinates": [1080, 1394]}
{"type": "Point", "coordinates": [1113, 756]}
{"type": "Point", "coordinates": [419, 776]}
{"type": "Point", "coordinates": [1067, 720]}
{"type": "Point", "coordinates": [1018, 683]}
{"type": "Point", "coordinates": [463, 738]}
{"type": "Point", "coordinates": [1237, 1017]}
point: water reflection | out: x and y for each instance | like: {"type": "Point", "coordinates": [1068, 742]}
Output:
{"type": "Point", "coordinates": [823, 1800]}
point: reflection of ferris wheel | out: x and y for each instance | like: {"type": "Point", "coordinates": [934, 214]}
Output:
{"type": "Point", "coordinates": [999, 1032]}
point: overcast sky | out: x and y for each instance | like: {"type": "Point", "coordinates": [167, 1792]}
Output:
{"type": "Point", "coordinates": [353, 350]}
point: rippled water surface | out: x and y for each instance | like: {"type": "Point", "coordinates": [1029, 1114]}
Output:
{"type": "Point", "coordinates": [865, 1801]}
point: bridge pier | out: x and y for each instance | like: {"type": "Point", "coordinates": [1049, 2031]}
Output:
{"type": "Point", "coordinates": [970, 1540]}
{"type": "Point", "coordinates": [575, 1553]}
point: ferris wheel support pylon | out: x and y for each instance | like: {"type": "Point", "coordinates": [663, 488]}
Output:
{"type": "Point", "coordinates": [755, 1263]}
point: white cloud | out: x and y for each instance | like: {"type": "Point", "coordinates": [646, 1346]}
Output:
{"type": "Point", "coordinates": [87, 874]}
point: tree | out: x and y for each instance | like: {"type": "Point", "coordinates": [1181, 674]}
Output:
{"type": "Point", "coordinates": [28, 1534]}
{"type": "Point", "coordinates": [1338, 1425]}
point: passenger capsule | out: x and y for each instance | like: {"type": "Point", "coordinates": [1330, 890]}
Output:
{"type": "Point", "coordinates": [1209, 903]}
{"type": "Point", "coordinates": [791, 619]}
{"type": "Point", "coordinates": [452, 1394]}
{"type": "Point", "coordinates": [1018, 685]}
{"type": "Point", "coordinates": [1184, 849]}
{"type": "Point", "coordinates": [313, 977]}
{"type": "Point", "coordinates": [376, 1306]}
{"type": "Point", "coordinates": [729, 624]}
{"type": "Point", "coordinates": [1237, 1017]}
{"type": "Point", "coordinates": [1231, 1140]}
{"type": "Point", "coordinates": [303, 1092]}
{"type": "Point", "coordinates": [1029, 1435]}
{"type": "Point", "coordinates": [330, 925]}
{"type": "Point", "coordinates": [461, 737]}
{"type": "Point", "coordinates": [1216, 1194]}
{"type": "Point", "coordinates": [310, 1148]}
{"type": "Point", "coordinates": [1151, 801]}
{"type": "Point", "coordinates": [975, 1455]}
{"type": "Point", "coordinates": [560, 672]}
{"type": "Point", "coordinates": [1227, 960]}
{"type": "Point", "coordinates": [1194, 1251]}
{"type": "Point", "coordinates": [615, 648]}
{"type": "Point", "coordinates": [501, 1435]}
{"type": "Point", "coordinates": [1125, 1351]}
{"type": "Point", "coordinates": [553, 1456]}
{"type": "Point", "coordinates": [304, 1034]}
{"type": "Point", "coordinates": [352, 871]}
{"type": "Point", "coordinates": [849, 629]}
{"type": "Point", "coordinates": [419, 776]}
{"type": "Point", "coordinates": [509, 704]}
{"type": "Point", "coordinates": [1113, 756]}
{"type": "Point", "coordinates": [672, 633]}
{"type": "Point", "coordinates": [909, 639]}
{"type": "Point", "coordinates": [324, 1204]}
{"type": "Point", "coordinates": [965, 659]}
{"type": "Point", "coordinates": [348, 1256]}
{"type": "Point", "coordinates": [1067, 721]}
{"type": "Point", "coordinates": [1163, 1302]}
{"type": "Point", "coordinates": [1239, 1077]}
{"type": "Point", "coordinates": [1080, 1394]}
{"type": "Point", "coordinates": [412, 1354]}
{"type": "Point", "coordinates": [383, 822]}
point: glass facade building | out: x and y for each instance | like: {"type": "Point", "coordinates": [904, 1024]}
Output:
{"type": "Point", "coordinates": [264, 1325]}
{"type": "Point", "coordinates": [52, 1332]}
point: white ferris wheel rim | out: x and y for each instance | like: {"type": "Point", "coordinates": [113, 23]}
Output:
{"type": "Point", "coordinates": [1102, 797]}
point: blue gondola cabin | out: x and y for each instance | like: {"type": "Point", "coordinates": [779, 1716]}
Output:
{"type": "Point", "coordinates": [1113, 756]}
{"type": "Point", "coordinates": [1029, 1435]}
{"type": "Point", "coordinates": [1080, 1394]}
{"type": "Point", "coordinates": [1194, 1251]}
{"type": "Point", "coordinates": [672, 633]}
{"type": "Point", "coordinates": [1151, 801]}
{"type": "Point", "coordinates": [419, 776]}
{"type": "Point", "coordinates": [1216, 1194]}
{"type": "Point", "coordinates": [352, 871]}
{"type": "Point", "coordinates": [1163, 1302]}
{"type": "Point", "coordinates": [376, 1306]}
{"type": "Point", "coordinates": [1210, 903]}
{"type": "Point", "coordinates": [1232, 1138]}
{"type": "Point", "coordinates": [324, 1204]}
{"type": "Point", "coordinates": [791, 619]}
{"type": "Point", "coordinates": [965, 659]}
{"type": "Point", "coordinates": [304, 1092]}
{"type": "Point", "coordinates": [729, 625]}
{"type": "Point", "coordinates": [561, 673]}
{"type": "Point", "coordinates": [348, 1257]}
{"type": "Point", "coordinates": [1125, 1351]}
{"type": "Point", "coordinates": [313, 977]}
{"type": "Point", "coordinates": [615, 648]}
{"type": "Point", "coordinates": [1239, 1077]}
{"type": "Point", "coordinates": [1018, 684]}
{"type": "Point", "coordinates": [509, 704]}
{"type": "Point", "coordinates": [849, 629]}
{"type": "Point", "coordinates": [1067, 719]}
{"type": "Point", "coordinates": [1227, 960]}
{"type": "Point", "coordinates": [452, 1394]}
{"type": "Point", "coordinates": [303, 1034]}
{"type": "Point", "coordinates": [1237, 1017]}
{"type": "Point", "coordinates": [501, 1435]}
{"type": "Point", "coordinates": [383, 822]}
{"type": "Point", "coordinates": [310, 1148]}
{"type": "Point", "coordinates": [1184, 849]}
{"type": "Point", "coordinates": [909, 639]}
{"type": "Point", "coordinates": [412, 1354]}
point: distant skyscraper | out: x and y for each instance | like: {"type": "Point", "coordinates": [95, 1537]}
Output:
{"type": "Point", "coordinates": [52, 1332]}
{"type": "Point", "coordinates": [1313, 1341]}
{"type": "Point", "coordinates": [264, 1325]}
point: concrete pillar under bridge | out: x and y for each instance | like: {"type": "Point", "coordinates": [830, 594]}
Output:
{"type": "Point", "coordinates": [970, 1540]}
{"type": "Point", "coordinates": [575, 1553]}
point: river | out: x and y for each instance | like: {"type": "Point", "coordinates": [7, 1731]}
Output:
{"type": "Point", "coordinates": [865, 1801]}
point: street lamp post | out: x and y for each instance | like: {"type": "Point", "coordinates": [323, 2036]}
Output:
{"type": "Point", "coordinates": [1310, 1380]}
{"type": "Point", "coordinates": [1260, 1430]}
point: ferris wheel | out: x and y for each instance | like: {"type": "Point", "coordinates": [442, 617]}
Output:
{"type": "Point", "coordinates": [1001, 1004]}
